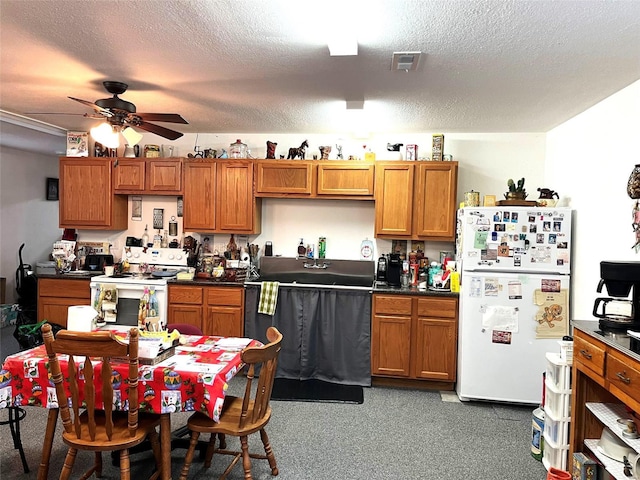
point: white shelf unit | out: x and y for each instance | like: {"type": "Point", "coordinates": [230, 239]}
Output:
{"type": "Point", "coordinates": [608, 414]}
{"type": "Point", "coordinates": [557, 411]}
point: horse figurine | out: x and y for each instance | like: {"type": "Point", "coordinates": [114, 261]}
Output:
{"type": "Point", "coordinates": [298, 152]}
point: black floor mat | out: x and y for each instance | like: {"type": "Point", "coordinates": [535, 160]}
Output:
{"type": "Point", "coordinates": [315, 391]}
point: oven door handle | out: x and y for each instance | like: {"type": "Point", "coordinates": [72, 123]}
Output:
{"type": "Point", "coordinates": [138, 287]}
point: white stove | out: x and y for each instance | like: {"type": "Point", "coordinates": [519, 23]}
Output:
{"type": "Point", "coordinates": [163, 263]}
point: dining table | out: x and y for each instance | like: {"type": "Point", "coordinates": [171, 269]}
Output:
{"type": "Point", "coordinates": [193, 378]}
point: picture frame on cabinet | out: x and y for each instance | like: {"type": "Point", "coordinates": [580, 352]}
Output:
{"type": "Point", "coordinates": [52, 189]}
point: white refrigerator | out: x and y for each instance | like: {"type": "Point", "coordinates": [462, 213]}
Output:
{"type": "Point", "coordinates": [515, 265]}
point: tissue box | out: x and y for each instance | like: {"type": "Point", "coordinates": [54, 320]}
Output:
{"type": "Point", "coordinates": [584, 468]}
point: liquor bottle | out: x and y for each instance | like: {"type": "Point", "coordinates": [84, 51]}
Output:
{"type": "Point", "coordinates": [145, 236]}
{"type": "Point", "coordinates": [302, 250]}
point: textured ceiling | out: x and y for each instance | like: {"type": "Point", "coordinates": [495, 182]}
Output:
{"type": "Point", "coordinates": [248, 66]}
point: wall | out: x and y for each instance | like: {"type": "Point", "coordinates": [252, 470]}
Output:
{"type": "Point", "coordinates": [25, 214]}
{"type": "Point", "coordinates": [486, 162]}
{"type": "Point", "coordinates": [589, 159]}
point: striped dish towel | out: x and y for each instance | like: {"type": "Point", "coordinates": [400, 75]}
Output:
{"type": "Point", "coordinates": [268, 297]}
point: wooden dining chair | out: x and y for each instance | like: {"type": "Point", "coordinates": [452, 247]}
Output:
{"type": "Point", "coordinates": [89, 428]}
{"type": "Point", "coordinates": [241, 416]}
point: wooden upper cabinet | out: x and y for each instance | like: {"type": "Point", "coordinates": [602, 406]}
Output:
{"type": "Point", "coordinates": [218, 197]}
{"type": "Point", "coordinates": [87, 199]}
{"type": "Point", "coordinates": [434, 213]}
{"type": "Point", "coordinates": [236, 207]}
{"type": "Point", "coordinates": [199, 191]}
{"type": "Point", "coordinates": [345, 179]}
{"type": "Point", "coordinates": [394, 199]}
{"type": "Point", "coordinates": [277, 178]}
{"type": "Point", "coordinates": [155, 176]}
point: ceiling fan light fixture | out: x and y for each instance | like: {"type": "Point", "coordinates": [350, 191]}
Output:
{"type": "Point", "coordinates": [343, 45]}
{"type": "Point", "coordinates": [105, 135]}
{"type": "Point", "coordinates": [131, 136]}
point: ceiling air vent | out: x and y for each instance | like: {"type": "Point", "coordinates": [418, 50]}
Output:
{"type": "Point", "coordinates": [405, 61]}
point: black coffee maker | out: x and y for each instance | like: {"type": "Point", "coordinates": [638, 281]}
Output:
{"type": "Point", "coordinates": [621, 310]}
{"type": "Point", "coordinates": [394, 270]}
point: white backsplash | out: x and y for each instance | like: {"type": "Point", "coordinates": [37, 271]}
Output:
{"type": "Point", "coordinates": [344, 223]}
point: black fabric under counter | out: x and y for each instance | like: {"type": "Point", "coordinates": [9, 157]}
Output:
{"type": "Point", "coordinates": [326, 332]}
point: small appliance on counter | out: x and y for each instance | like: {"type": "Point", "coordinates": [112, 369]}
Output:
{"type": "Point", "coordinates": [621, 310]}
{"type": "Point", "coordinates": [394, 269]}
{"type": "Point", "coordinates": [381, 272]}
{"type": "Point", "coordinates": [96, 263]}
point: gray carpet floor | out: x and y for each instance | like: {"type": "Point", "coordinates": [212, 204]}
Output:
{"type": "Point", "coordinates": [394, 434]}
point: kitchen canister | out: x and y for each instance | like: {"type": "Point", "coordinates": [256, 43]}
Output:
{"type": "Point", "coordinates": [471, 199]}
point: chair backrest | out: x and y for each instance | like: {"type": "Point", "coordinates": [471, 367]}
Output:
{"type": "Point", "coordinates": [184, 328]}
{"type": "Point", "coordinates": [106, 347]}
{"type": "Point", "coordinates": [267, 357]}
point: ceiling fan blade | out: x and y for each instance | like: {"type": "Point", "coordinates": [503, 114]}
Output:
{"type": "Point", "coordinates": [158, 130]}
{"type": "Point", "coordinates": [102, 111]}
{"type": "Point", "coordinates": [162, 117]}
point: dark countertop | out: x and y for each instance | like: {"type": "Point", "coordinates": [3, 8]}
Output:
{"type": "Point", "coordinates": [623, 343]}
{"type": "Point", "coordinates": [204, 283]}
{"type": "Point", "coordinates": [413, 291]}
{"type": "Point", "coordinates": [69, 276]}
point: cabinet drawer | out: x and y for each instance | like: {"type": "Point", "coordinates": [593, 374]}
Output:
{"type": "Point", "coordinates": [590, 353]}
{"type": "Point", "coordinates": [437, 307]}
{"type": "Point", "coordinates": [184, 294]}
{"type": "Point", "coordinates": [61, 288]}
{"type": "Point", "coordinates": [225, 296]}
{"type": "Point", "coordinates": [624, 373]}
{"type": "Point", "coordinates": [391, 305]}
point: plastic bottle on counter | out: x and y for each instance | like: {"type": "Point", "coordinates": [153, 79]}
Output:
{"type": "Point", "coordinates": [145, 237]}
{"type": "Point", "coordinates": [322, 247]}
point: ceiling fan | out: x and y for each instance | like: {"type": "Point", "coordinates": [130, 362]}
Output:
{"type": "Point", "coordinates": [121, 113]}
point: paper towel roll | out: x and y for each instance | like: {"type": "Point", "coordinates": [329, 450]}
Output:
{"type": "Point", "coordinates": [80, 318]}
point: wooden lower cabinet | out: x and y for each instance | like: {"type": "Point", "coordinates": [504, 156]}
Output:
{"type": "Point", "coordinates": [56, 295]}
{"type": "Point", "coordinates": [216, 310]}
{"type": "Point", "coordinates": [414, 337]}
{"type": "Point", "coordinates": [605, 386]}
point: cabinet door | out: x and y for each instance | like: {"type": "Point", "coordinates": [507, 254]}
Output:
{"type": "Point", "coordinates": [129, 175]}
{"type": "Point", "coordinates": [55, 296]}
{"type": "Point", "coordinates": [189, 314]}
{"type": "Point", "coordinates": [394, 199]}
{"type": "Point", "coordinates": [390, 345]}
{"type": "Point", "coordinates": [87, 200]}
{"type": "Point", "coordinates": [199, 194]}
{"type": "Point", "coordinates": [279, 178]}
{"type": "Point", "coordinates": [164, 176]}
{"type": "Point", "coordinates": [224, 321]}
{"type": "Point", "coordinates": [435, 349]}
{"type": "Point", "coordinates": [436, 187]}
{"type": "Point", "coordinates": [345, 179]}
{"type": "Point", "coordinates": [235, 204]}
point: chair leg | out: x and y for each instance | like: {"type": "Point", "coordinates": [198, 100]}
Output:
{"type": "Point", "coordinates": [125, 465]}
{"type": "Point", "coordinates": [189, 457]}
{"type": "Point", "coordinates": [15, 415]}
{"type": "Point", "coordinates": [246, 459]}
{"type": "Point", "coordinates": [267, 449]}
{"type": "Point", "coordinates": [69, 460]}
{"type": "Point", "coordinates": [211, 448]}
{"type": "Point", "coordinates": [157, 452]}
{"type": "Point", "coordinates": [223, 440]}
{"type": "Point", "coordinates": [98, 464]}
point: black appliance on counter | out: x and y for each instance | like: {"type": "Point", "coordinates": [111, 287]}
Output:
{"type": "Point", "coordinates": [394, 270]}
{"type": "Point", "coordinates": [96, 263]}
{"type": "Point", "coordinates": [621, 310]}
{"type": "Point", "coordinates": [381, 269]}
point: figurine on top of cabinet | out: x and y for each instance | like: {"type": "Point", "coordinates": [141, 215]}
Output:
{"type": "Point", "coordinates": [339, 149]}
{"type": "Point", "coordinates": [271, 149]}
{"type": "Point", "coordinates": [298, 152]}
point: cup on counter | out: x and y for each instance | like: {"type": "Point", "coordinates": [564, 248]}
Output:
{"type": "Point", "coordinates": [109, 270]}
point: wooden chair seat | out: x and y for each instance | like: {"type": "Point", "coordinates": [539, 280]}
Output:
{"type": "Point", "coordinates": [241, 416]}
{"type": "Point", "coordinates": [120, 439]}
